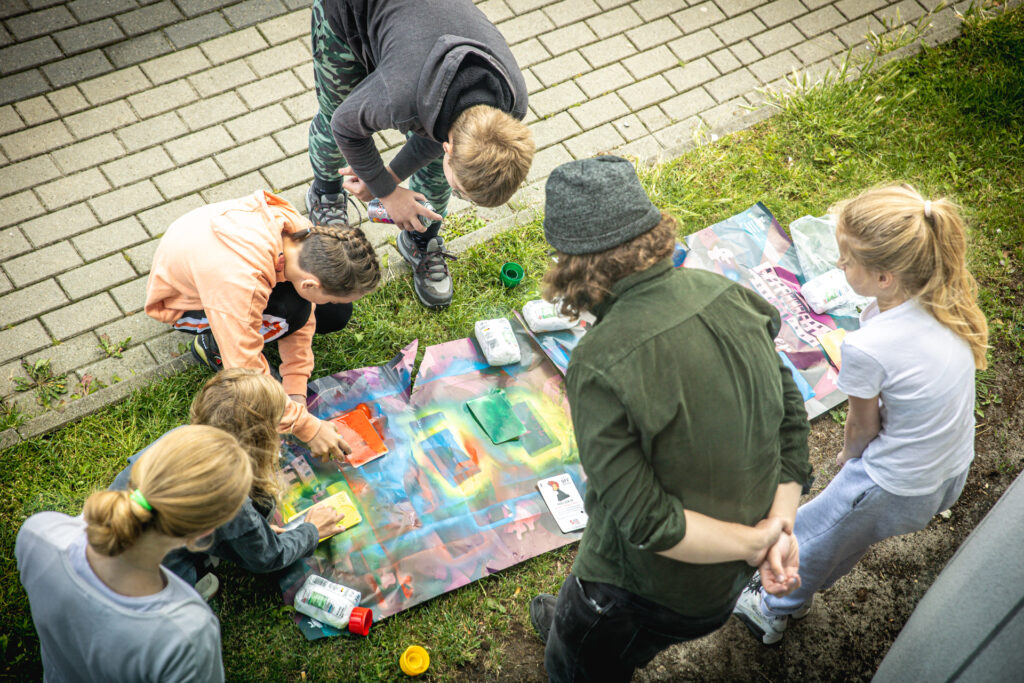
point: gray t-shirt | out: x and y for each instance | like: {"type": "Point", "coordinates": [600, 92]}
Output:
{"type": "Point", "coordinates": [89, 632]}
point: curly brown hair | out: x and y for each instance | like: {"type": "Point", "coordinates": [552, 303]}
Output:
{"type": "Point", "coordinates": [582, 281]}
{"type": "Point", "coordinates": [341, 258]}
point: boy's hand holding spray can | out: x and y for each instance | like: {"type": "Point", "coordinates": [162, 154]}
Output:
{"type": "Point", "coordinates": [376, 213]}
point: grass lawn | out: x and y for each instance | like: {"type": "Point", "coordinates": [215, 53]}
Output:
{"type": "Point", "coordinates": [950, 121]}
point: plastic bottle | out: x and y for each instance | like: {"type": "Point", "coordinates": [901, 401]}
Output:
{"type": "Point", "coordinates": [827, 291]}
{"type": "Point", "coordinates": [376, 213]}
{"type": "Point", "coordinates": [333, 604]}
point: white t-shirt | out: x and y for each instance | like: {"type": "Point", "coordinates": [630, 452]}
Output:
{"type": "Point", "coordinates": [924, 373]}
{"type": "Point", "coordinates": [89, 632]}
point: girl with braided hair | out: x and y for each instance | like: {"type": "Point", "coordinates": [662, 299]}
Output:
{"type": "Point", "coordinates": [244, 272]}
{"type": "Point", "coordinates": [103, 606]}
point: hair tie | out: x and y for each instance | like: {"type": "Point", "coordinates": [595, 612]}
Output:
{"type": "Point", "coordinates": [927, 208]}
{"type": "Point", "coordinates": [137, 496]}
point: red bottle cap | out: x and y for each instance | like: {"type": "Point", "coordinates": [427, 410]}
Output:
{"type": "Point", "coordinates": [360, 620]}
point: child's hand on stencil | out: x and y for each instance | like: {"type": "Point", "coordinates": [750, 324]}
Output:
{"type": "Point", "coordinates": [325, 519]}
{"type": "Point", "coordinates": [327, 442]}
{"type": "Point", "coordinates": [779, 571]}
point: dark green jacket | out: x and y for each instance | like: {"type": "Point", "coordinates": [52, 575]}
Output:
{"type": "Point", "coordinates": [680, 401]}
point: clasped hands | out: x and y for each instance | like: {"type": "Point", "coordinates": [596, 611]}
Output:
{"type": "Point", "coordinates": [778, 561]}
{"type": "Point", "coordinates": [403, 205]}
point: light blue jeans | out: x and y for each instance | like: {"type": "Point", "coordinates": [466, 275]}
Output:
{"type": "Point", "coordinates": [835, 529]}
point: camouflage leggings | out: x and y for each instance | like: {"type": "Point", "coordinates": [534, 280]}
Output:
{"type": "Point", "coordinates": [336, 72]}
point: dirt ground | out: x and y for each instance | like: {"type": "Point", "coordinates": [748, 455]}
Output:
{"type": "Point", "coordinates": [852, 624]}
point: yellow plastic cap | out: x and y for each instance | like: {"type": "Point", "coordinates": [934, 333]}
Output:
{"type": "Point", "coordinates": [414, 660]}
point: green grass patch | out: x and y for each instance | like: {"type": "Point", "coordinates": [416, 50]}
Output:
{"type": "Point", "coordinates": [950, 121]}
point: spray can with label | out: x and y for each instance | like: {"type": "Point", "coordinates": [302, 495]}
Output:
{"type": "Point", "coordinates": [376, 213]}
{"type": "Point", "coordinates": [333, 604]}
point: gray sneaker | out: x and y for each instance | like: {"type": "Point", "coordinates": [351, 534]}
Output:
{"type": "Point", "coordinates": [430, 276]}
{"type": "Point", "coordinates": [542, 614]}
{"type": "Point", "coordinates": [327, 209]}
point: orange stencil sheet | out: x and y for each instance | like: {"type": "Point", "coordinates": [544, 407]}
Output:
{"type": "Point", "coordinates": [358, 432]}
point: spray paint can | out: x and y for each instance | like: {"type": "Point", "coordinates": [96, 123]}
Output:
{"type": "Point", "coordinates": [376, 213]}
{"type": "Point", "coordinates": [333, 604]}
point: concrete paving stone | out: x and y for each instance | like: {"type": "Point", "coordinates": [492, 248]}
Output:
{"type": "Point", "coordinates": [88, 10]}
{"type": "Point", "coordinates": [630, 127]}
{"type": "Point", "coordinates": [78, 68]}
{"type": "Point", "coordinates": [157, 220]}
{"type": "Point", "coordinates": [614, 22]}
{"type": "Point", "coordinates": [819, 21]}
{"type": "Point", "coordinates": [724, 60]}
{"type": "Point", "coordinates": [10, 120]}
{"type": "Point", "coordinates": [139, 49]}
{"type": "Point", "coordinates": [42, 263]}
{"type": "Point", "coordinates": [252, 12]}
{"type": "Point", "coordinates": [305, 74]}
{"type": "Point", "coordinates": [296, 196]}
{"type": "Point", "coordinates": [294, 139]}
{"type": "Point", "coordinates": [495, 10]}
{"type": "Point", "coordinates": [72, 188]}
{"type": "Point", "coordinates": [70, 354]}
{"type": "Point", "coordinates": [36, 110]}
{"type": "Point", "coordinates": [546, 160]}
{"type": "Point", "coordinates": [139, 326]}
{"type": "Point", "coordinates": [279, 58]}
{"type": "Point", "coordinates": [608, 50]}
{"type": "Point", "coordinates": [818, 48]}
{"type": "Point", "coordinates": [101, 119]}
{"type": "Point", "coordinates": [533, 83]}
{"type": "Point", "coordinates": [192, 31]}
{"type": "Point", "coordinates": [235, 45]}
{"type": "Point", "coordinates": [40, 23]}
{"type": "Point", "coordinates": [530, 52]}
{"type": "Point", "coordinates": [193, 8]}
{"type": "Point", "coordinates": [12, 7]}
{"type": "Point", "coordinates": [212, 110]}
{"type": "Point", "coordinates": [175, 66]}
{"type": "Point", "coordinates": [905, 12]}
{"type": "Point", "coordinates": [110, 238]}
{"type": "Point", "coordinates": [115, 86]}
{"type": "Point", "coordinates": [13, 242]}
{"type": "Point", "coordinates": [152, 131]}
{"type": "Point", "coordinates": [22, 85]}
{"type": "Point", "coordinates": [555, 99]}
{"type": "Point", "coordinates": [246, 185]}
{"type": "Point", "coordinates": [81, 316]}
{"type": "Point", "coordinates": [598, 111]}
{"type": "Point", "coordinates": [390, 138]}
{"type": "Point", "coordinates": [602, 139]}
{"type": "Point", "coordinates": [691, 75]}
{"type": "Point", "coordinates": [125, 201]}
{"type": "Point", "coordinates": [131, 297]}
{"type": "Point", "coordinates": [525, 26]}
{"type": "Point", "coordinates": [248, 157]}
{"type": "Point", "coordinates": [286, 27]}
{"type": "Point", "coordinates": [654, 33]}
{"type": "Point", "coordinates": [141, 257]}
{"type": "Point", "coordinates": [59, 225]}
{"type": "Point", "coordinates": [724, 114]}
{"type": "Point", "coordinates": [221, 78]}
{"type": "Point", "coordinates": [678, 134]}
{"type": "Point", "coordinates": [28, 54]}
{"type": "Point", "coordinates": [853, 9]}
{"type": "Point", "coordinates": [291, 171]}
{"type": "Point", "coordinates": [815, 4]}
{"type": "Point", "coordinates": [604, 80]}
{"type": "Point", "coordinates": [27, 404]}
{"type": "Point", "coordinates": [96, 276]}
{"type": "Point", "coordinates": [524, 6]}
{"type": "Point", "coordinates": [113, 370]}
{"type": "Point", "coordinates": [646, 92]}
{"type": "Point", "coordinates": [779, 12]}
{"type": "Point", "coordinates": [655, 9]}
{"type": "Point", "coordinates": [776, 66]}
{"type": "Point", "coordinates": [146, 19]}
{"type": "Point", "coordinates": [89, 36]}
{"type": "Point", "coordinates": [7, 374]}
{"type": "Point", "coordinates": [777, 39]}
{"type": "Point", "coordinates": [5, 37]}
{"type": "Point", "coordinates": [688, 104]}
{"type": "Point", "coordinates": [259, 123]}
{"type": "Point", "coordinates": [67, 100]}
{"type": "Point", "coordinates": [651, 62]}
{"type": "Point", "coordinates": [36, 140]}
{"type": "Point", "coordinates": [569, 11]}
{"type": "Point", "coordinates": [168, 346]}
{"type": "Point", "coordinates": [738, 28]}
{"type": "Point", "coordinates": [560, 68]}
{"type": "Point", "coordinates": [746, 52]}
{"type": "Point", "coordinates": [653, 118]}
{"type": "Point", "coordinates": [727, 87]}
{"type": "Point", "coordinates": [16, 341]}
{"type": "Point", "coordinates": [163, 98]}
{"type": "Point", "coordinates": [856, 32]}
{"type": "Point", "coordinates": [697, 17]}
{"type": "Point", "coordinates": [553, 130]}
{"type": "Point", "coordinates": [188, 148]}
{"type": "Point", "coordinates": [18, 207]}
{"type": "Point", "coordinates": [568, 38]}
{"type": "Point", "coordinates": [190, 178]}
{"type": "Point", "coordinates": [25, 174]}
{"type": "Point", "coordinates": [138, 166]}
{"type": "Point", "coordinates": [272, 89]}
{"type": "Point", "coordinates": [733, 8]}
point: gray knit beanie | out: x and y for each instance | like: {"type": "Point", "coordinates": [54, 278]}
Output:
{"type": "Point", "coordinates": [592, 205]}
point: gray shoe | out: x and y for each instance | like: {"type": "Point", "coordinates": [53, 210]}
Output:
{"type": "Point", "coordinates": [327, 209]}
{"type": "Point", "coordinates": [542, 614]}
{"type": "Point", "coordinates": [430, 276]}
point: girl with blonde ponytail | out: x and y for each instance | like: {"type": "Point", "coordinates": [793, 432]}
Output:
{"type": "Point", "coordinates": [909, 373]}
{"type": "Point", "coordinates": [103, 606]}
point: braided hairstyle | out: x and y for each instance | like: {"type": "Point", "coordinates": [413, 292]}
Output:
{"type": "Point", "coordinates": [341, 258]}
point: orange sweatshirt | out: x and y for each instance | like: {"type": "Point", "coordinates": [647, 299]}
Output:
{"type": "Point", "coordinates": [223, 259]}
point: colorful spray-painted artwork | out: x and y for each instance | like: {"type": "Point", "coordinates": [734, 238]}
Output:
{"type": "Point", "coordinates": [445, 505]}
{"type": "Point", "coordinates": [751, 248]}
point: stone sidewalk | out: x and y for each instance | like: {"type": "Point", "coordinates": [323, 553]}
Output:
{"type": "Point", "coordinates": [117, 116]}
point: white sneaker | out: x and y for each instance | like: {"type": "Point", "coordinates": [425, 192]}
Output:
{"type": "Point", "coordinates": [767, 627]}
{"type": "Point", "coordinates": [207, 587]}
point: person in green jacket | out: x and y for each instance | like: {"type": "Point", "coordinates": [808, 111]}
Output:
{"type": "Point", "coordinates": [691, 431]}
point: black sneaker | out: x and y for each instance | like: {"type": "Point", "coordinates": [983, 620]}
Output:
{"type": "Point", "coordinates": [542, 614]}
{"type": "Point", "coordinates": [430, 276]}
{"type": "Point", "coordinates": [327, 209]}
{"type": "Point", "coordinates": [204, 349]}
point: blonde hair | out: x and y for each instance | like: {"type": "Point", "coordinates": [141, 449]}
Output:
{"type": "Point", "coordinates": [491, 154]}
{"type": "Point", "coordinates": [248, 405]}
{"type": "Point", "coordinates": [923, 244]}
{"type": "Point", "coordinates": [582, 281]}
{"type": "Point", "coordinates": [341, 258]}
{"type": "Point", "coordinates": [195, 478]}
